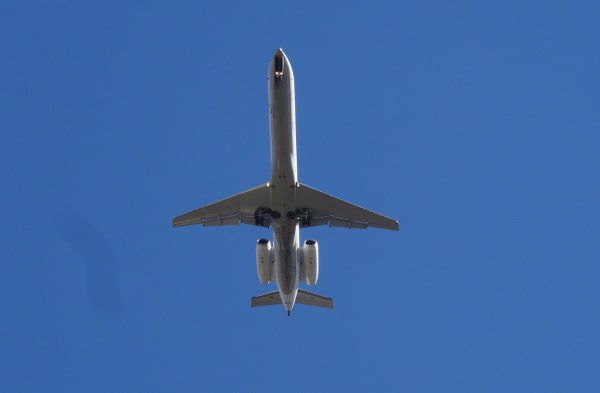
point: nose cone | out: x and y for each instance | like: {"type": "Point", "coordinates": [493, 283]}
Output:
{"type": "Point", "coordinates": [279, 52]}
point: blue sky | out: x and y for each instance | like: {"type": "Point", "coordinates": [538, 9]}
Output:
{"type": "Point", "coordinates": [475, 124]}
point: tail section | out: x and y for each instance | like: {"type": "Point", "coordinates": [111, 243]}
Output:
{"type": "Point", "coordinates": [312, 299]}
{"type": "Point", "coordinates": [266, 299]}
{"type": "Point", "coordinates": [304, 297]}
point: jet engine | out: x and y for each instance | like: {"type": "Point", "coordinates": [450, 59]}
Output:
{"type": "Point", "coordinates": [309, 262]}
{"type": "Point", "coordinates": [264, 261]}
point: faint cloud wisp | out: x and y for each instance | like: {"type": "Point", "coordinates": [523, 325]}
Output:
{"type": "Point", "coordinates": [101, 267]}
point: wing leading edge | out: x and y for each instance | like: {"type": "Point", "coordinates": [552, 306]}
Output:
{"type": "Point", "coordinates": [242, 208]}
{"type": "Point", "coordinates": [326, 209]}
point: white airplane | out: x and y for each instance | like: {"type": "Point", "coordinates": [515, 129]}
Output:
{"type": "Point", "coordinates": [286, 205]}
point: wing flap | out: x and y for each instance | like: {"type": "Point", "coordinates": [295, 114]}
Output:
{"type": "Point", "coordinates": [237, 209]}
{"type": "Point", "coordinates": [326, 209]}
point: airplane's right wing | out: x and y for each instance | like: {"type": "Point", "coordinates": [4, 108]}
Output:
{"type": "Point", "coordinates": [243, 208]}
{"type": "Point", "coordinates": [325, 209]}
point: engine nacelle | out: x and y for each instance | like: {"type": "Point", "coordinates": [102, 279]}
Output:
{"type": "Point", "coordinates": [309, 262]}
{"type": "Point", "coordinates": [264, 261]}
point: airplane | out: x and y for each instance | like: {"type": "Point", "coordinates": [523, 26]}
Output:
{"type": "Point", "coordinates": [286, 205]}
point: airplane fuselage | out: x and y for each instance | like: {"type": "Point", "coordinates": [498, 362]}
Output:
{"type": "Point", "coordinates": [286, 205]}
{"type": "Point", "coordinates": [284, 178]}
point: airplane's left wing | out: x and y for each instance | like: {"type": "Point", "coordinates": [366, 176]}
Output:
{"type": "Point", "coordinates": [243, 208]}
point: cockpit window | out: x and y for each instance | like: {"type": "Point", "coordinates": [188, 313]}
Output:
{"type": "Point", "coordinates": [278, 65]}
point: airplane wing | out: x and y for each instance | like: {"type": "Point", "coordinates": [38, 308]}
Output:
{"type": "Point", "coordinates": [325, 209]}
{"type": "Point", "coordinates": [243, 208]}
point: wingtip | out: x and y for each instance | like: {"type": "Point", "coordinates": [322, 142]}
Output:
{"type": "Point", "coordinates": [176, 223]}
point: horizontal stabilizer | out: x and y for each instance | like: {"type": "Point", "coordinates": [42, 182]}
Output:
{"type": "Point", "coordinates": [267, 299]}
{"type": "Point", "coordinates": [312, 299]}
{"type": "Point", "coordinates": [325, 209]}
